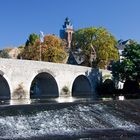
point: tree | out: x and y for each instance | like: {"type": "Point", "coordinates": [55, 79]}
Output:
{"type": "Point", "coordinates": [32, 39]}
{"type": "Point", "coordinates": [129, 67]}
{"type": "Point", "coordinates": [97, 43]}
{"type": "Point", "coordinates": [51, 49]}
{"type": "Point", "coordinates": [4, 54]}
{"type": "Point", "coordinates": [31, 50]}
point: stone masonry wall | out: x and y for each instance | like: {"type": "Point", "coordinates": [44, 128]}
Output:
{"type": "Point", "coordinates": [20, 74]}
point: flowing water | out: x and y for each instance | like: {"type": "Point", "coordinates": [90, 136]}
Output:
{"type": "Point", "coordinates": [75, 120]}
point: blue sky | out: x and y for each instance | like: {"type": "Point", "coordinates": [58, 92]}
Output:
{"type": "Point", "coordinates": [19, 18]}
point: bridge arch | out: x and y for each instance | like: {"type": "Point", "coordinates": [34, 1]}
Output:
{"type": "Point", "coordinates": [4, 86]}
{"type": "Point", "coordinates": [81, 86]}
{"type": "Point", "coordinates": [44, 85]}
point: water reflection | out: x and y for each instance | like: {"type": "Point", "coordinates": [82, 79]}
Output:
{"type": "Point", "coordinates": [21, 101]}
{"type": "Point", "coordinates": [62, 99]}
{"type": "Point", "coordinates": [65, 99]}
{"type": "Point", "coordinates": [46, 100]}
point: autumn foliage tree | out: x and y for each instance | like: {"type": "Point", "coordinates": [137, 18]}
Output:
{"type": "Point", "coordinates": [51, 49]}
{"type": "Point", "coordinates": [99, 40]}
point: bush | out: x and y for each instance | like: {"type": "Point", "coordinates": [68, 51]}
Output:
{"type": "Point", "coordinates": [19, 92]}
{"type": "Point", "coordinates": [65, 90]}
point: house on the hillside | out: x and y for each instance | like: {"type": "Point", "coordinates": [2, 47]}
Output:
{"type": "Point", "coordinates": [76, 58]}
{"type": "Point", "coordinates": [10, 53]}
{"type": "Point", "coordinates": [13, 53]}
{"type": "Point", "coordinates": [121, 45]}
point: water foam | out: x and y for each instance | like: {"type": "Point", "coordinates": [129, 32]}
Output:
{"type": "Point", "coordinates": [62, 121]}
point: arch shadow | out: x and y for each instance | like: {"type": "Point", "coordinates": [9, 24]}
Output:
{"type": "Point", "coordinates": [81, 87]}
{"type": "Point", "coordinates": [44, 85]}
{"type": "Point", "coordinates": [4, 87]}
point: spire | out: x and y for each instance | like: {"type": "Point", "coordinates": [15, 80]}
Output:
{"type": "Point", "coordinates": [67, 24]}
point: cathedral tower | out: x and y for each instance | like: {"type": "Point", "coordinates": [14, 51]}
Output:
{"type": "Point", "coordinates": [67, 31]}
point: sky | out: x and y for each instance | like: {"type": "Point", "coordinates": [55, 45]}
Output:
{"type": "Point", "coordinates": [20, 18]}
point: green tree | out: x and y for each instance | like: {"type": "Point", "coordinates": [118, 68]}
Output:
{"type": "Point", "coordinates": [129, 67]}
{"type": "Point", "coordinates": [4, 54]}
{"type": "Point", "coordinates": [32, 39]}
{"type": "Point", "coordinates": [31, 51]}
{"type": "Point", "coordinates": [97, 45]}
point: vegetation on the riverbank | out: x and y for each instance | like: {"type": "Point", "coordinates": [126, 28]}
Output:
{"type": "Point", "coordinates": [129, 67]}
{"type": "Point", "coordinates": [126, 70]}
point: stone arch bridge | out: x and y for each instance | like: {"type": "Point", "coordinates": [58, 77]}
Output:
{"type": "Point", "coordinates": [25, 79]}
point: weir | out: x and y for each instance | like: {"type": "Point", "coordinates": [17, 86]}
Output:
{"type": "Point", "coordinates": [104, 120]}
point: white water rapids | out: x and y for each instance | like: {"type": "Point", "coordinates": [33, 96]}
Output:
{"type": "Point", "coordinates": [64, 121]}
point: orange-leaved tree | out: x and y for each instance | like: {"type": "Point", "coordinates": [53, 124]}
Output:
{"type": "Point", "coordinates": [52, 49]}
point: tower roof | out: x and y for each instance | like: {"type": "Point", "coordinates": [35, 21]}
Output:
{"type": "Point", "coordinates": [67, 24]}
